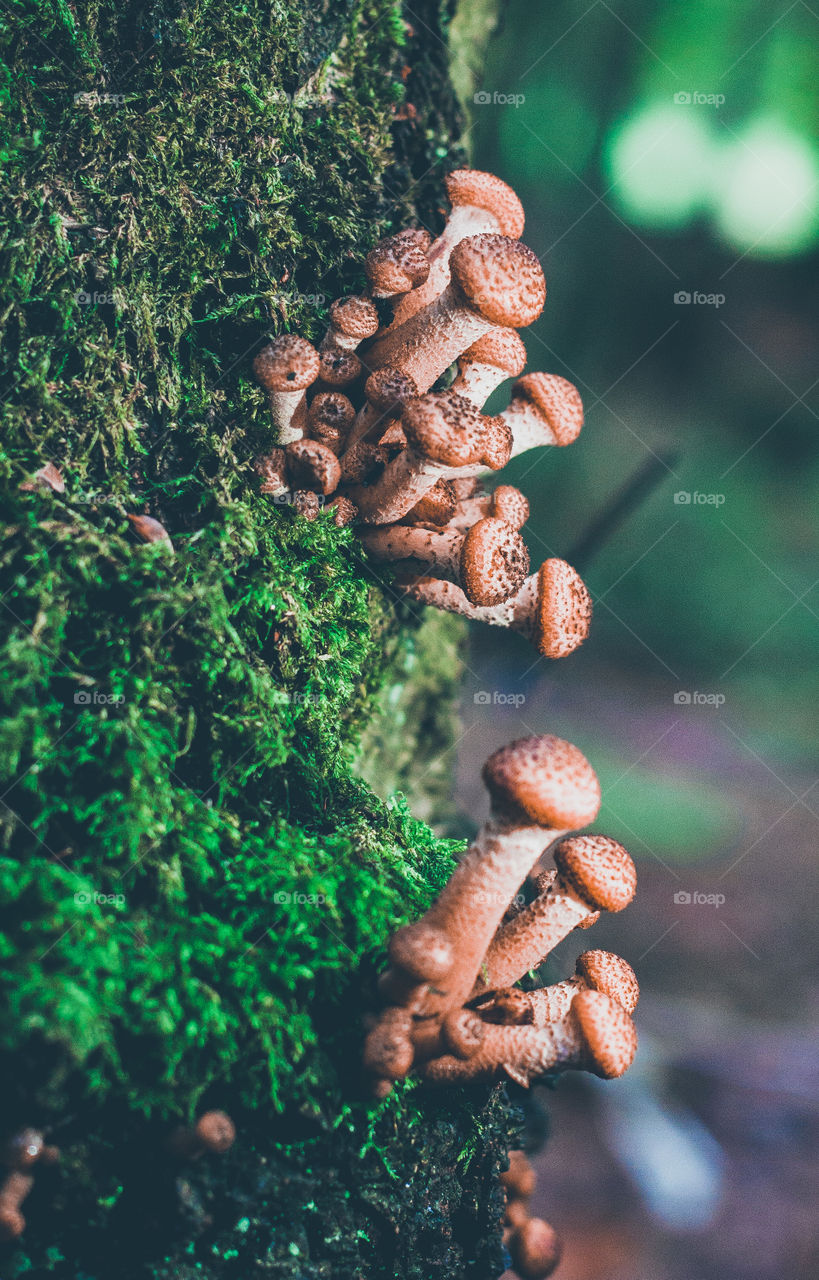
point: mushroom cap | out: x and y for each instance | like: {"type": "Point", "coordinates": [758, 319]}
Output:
{"type": "Point", "coordinates": [288, 363]}
{"type": "Point", "coordinates": [448, 429]}
{"type": "Point", "coordinates": [509, 504]}
{"type": "Point", "coordinates": [493, 562]}
{"type": "Point", "coordinates": [599, 869]}
{"type": "Point", "coordinates": [556, 400]}
{"type": "Point", "coordinates": [604, 971]}
{"type": "Point", "coordinates": [388, 389]}
{"type": "Point", "coordinates": [148, 529]}
{"type": "Point", "coordinates": [608, 1033]}
{"type": "Point", "coordinates": [338, 367]}
{"type": "Point", "coordinates": [564, 609]}
{"type": "Point", "coordinates": [501, 278]}
{"type": "Point", "coordinates": [362, 463]}
{"type": "Point", "coordinates": [498, 443]}
{"type": "Point", "coordinates": [436, 507]}
{"type": "Point", "coordinates": [312, 465]}
{"type": "Point", "coordinates": [272, 470]}
{"type": "Point", "coordinates": [519, 1179]}
{"type": "Point", "coordinates": [463, 1032]}
{"type": "Point", "coordinates": [332, 409]}
{"type": "Point", "coordinates": [388, 1050]}
{"type": "Point", "coordinates": [485, 191]}
{"type": "Point", "coordinates": [422, 951]}
{"type": "Point", "coordinates": [535, 1249]}
{"type": "Point", "coordinates": [344, 511]}
{"type": "Point", "coordinates": [216, 1131]}
{"type": "Point", "coordinates": [306, 504]}
{"type": "Point", "coordinates": [398, 263]}
{"type": "Point", "coordinates": [355, 317]}
{"type": "Point", "coordinates": [501, 349]}
{"type": "Point", "coordinates": [543, 780]}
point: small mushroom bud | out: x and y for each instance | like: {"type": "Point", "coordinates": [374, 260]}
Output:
{"type": "Point", "coordinates": [519, 1179]}
{"type": "Point", "coordinates": [498, 355]}
{"type": "Point", "coordinates": [539, 788]}
{"type": "Point", "coordinates": [594, 873]}
{"type": "Point", "coordinates": [338, 368]}
{"type": "Point", "coordinates": [48, 477]}
{"type": "Point", "coordinates": [214, 1133]}
{"type": "Point", "coordinates": [272, 470]}
{"type": "Point", "coordinates": [149, 530]}
{"type": "Point", "coordinates": [446, 438]}
{"type": "Point", "coordinates": [596, 1035]}
{"type": "Point", "coordinates": [13, 1191]}
{"type": "Point", "coordinates": [398, 264]}
{"type": "Point", "coordinates": [462, 1033]}
{"type": "Point", "coordinates": [505, 503]}
{"type": "Point", "coordinates": [436, 508]}
{"type": "Point", "coordinates": [351, 321]}
{"type": "Point", "coordinates": [535, 1249]}
{"type": "Point", "coordinates": [490, 560]}
{"type": "Point", "coordinates": [595, 971]}
{"type": "Point", "coordinates": [552, 608]}
{"type": "Point", "coordinates": [344, 512]}
{"type": "Point", "coordinates": [480, 203]}
{"type": "Point", "coordinates": [388, 1051]}
{"type": "Point", "coordinates": [286, 367]}
{"type": "Point", "coordinates": [329, 420]}
{"type": "Point", "coordinates": [495, 281]}
{"type": "Point", "coordinates": [311, 465]}
{"type": "Point", "coordinates": [387, 391]}
{"type": "Point", "coordinates": [544, 410]}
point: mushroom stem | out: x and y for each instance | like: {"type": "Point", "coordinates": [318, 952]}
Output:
{"type": "Point", "coordinates": [505, 502]}
{"type": "Point", "coordinates": [594, 873]}
{"type": "Point", "coordinates": [286, 367]}
{"type": "Point", "coordinates": [594, 971]}
{"type": "Point", "coordinates": [387, 391]}
{"type": "Point", "coordinates": [596, 1035]}
{"type": "Point", "coordinates": [552, 607]}
{"type": "Point", "coordinates": [498, 355]}
{"type": "Point", "coordinates": [13, 1191]}
{"type": "Point", "coordinates": [544, 410]}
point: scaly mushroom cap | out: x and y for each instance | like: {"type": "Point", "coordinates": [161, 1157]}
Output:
{"type": "Point", "coordinates": [389, 389]}
{"type": "Point", "coordinates": [500, 348]}
{"type": "Point", "coordinates": [556, 400]}
{"type": "Point", "coordinates": [436, 507]}
{"type": "Point", "coordinates": [485, 191]}
{"type": "Point", "coordinates": [462, 1032]}
{"type": "Point", "coordinates": [535, 1249]}
{"type": "Point", "coordinates": [493, 562]}
{"type": "Point", "coordinates": [563, 614]}
{"type": "Point", "coordinates": [598, 868]}
{"type": "Point", "coordinates": [398, 263]}
{"type": "Point", "coordinates": [311, 465]}
{"type": "Point", "coordinates": [502, 279]}
{"type": "Point", "coordinates": [388, 1048]}
{"type": "Point", "coordinates": [509, 504]}
{"type": "Point", "coordinates": [543, 780]}
{"type": "Point", "coordinates": [608, 1033]}
{"type": "Point", "coordinates": [271, 468]}
{"type": "Point", "coordinates": [354, 317]}
{"type": "Point", "coordinates": [448, 429]}
{"type": "Point", "coordinates": [331, 409]}
{"type": "Point", "coordinates": [338, 367]}
{"type": "Point", "coordinates": [611, 974]}
{"type": "Point", "coordinates": [288, 363]}
{"type": "Point", "coordinates": [216, 1131]}
{"type": "Point", "coordinates": [362, 463]}
{"type": "Point", "coordinates": [422, 951]}
{"type": "Point", "coordinates": [344, 511]}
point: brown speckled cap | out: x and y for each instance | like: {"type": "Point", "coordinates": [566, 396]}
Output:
{"type": "Point", "coordinates": [611, 974]}
{"type": "Point", "coordinates": [556, 400]}
{"type": "Point", "coordinates": [509, 504]}
{"type": "Point", "coordinates": [311, 465]}
{"type": "Point", "coordinates": [216, 1131]}
{"type": "Point", "coordinates": [436, 507]}
{"type": "Point", "coordinates": [599, 870]}
{"type": "Point", "coordinates": [500, 348]}
{"type": "Point", "coordinates": [501, 278]}
{"type": "Point", "coordinates": [388, 389]}
{"type": "Point", "coordinates": [564, 609]}
{"type": "Point", "coordinates": [355, 317]}
{"type": "Point", "coordinates": [337, 367]}
{"type": "Point", "coordinates": [344, 512]}
{"type": "Point", "coordinates": [493, 562]}
{"type": "Point", "coordinates": [288, 363]}
{"type": "Point", "coordinates": [543, 780]}
{"type": "Point", "coordinates": [446, 428]}
{"type": "Point", "coordinates": [608, 1033]}
{"type": "Point", "coordinates": [398, 263]}
{"type": "Point", "coordinates": [331, 409]}
{"type": "Point", "coordinates": [485, 191]}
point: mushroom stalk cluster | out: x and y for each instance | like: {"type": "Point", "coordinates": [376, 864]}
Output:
{"type": "Point", "coordinates": [372, 424]}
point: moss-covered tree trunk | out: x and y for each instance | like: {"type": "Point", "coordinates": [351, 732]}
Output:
{"type": "Point", "coordinates": [196, 882]}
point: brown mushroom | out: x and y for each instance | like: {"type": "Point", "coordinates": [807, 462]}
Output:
{"type": "Point", "coordinates": [352, 320]}
{"type": "Point", "coordinates": [594, 971]}
{"type": "Point", "coordinates": [214, 1133]}
{"type": "Point", "coordinates": [398, 264]}
{"type": "Point", "coordinates": [286, 367]}
{"type": "Point", "coordinates": [535, 1249]}
{"type": "Point", "coordinates": [506, 503]}
{"type": "Point", "coordinates": [435, 509]}
{"type": "Point", "coordinates": [329, 420]}
{"type": "Point", "coordinates": [498, 355]}
{"type": "Point", "coordinates": [272, 470]}
{"type": "Point", "coordinates": [311, 465]}
{"type": "Point", "coordinates": [387, 391]}
{"type": "Point", "coordinates": [544, 410]}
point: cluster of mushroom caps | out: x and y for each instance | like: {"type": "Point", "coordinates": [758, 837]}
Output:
{"type": "Point", "coordinates": [364, 428]}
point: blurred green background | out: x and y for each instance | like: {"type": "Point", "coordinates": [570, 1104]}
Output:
{"type": "Point", "coordinates": [666, 155]}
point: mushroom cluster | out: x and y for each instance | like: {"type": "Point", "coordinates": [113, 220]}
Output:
{"type": "Point", "coordinates": [534, 1246]}
{"type": "Point", "coordinates": [368, 427]}
{"type": "Point", "coordinates": [452, 1009]}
